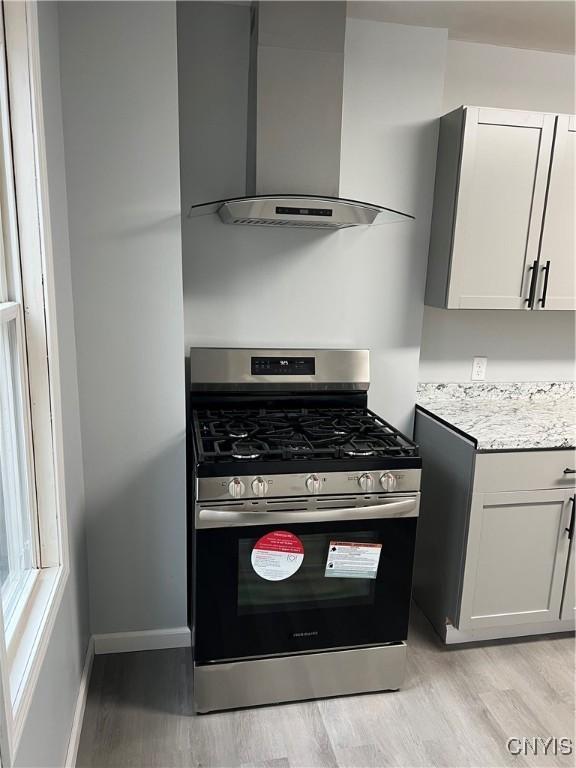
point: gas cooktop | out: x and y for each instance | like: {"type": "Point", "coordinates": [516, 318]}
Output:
{"type": "Point", "coordinates": [295, 434]}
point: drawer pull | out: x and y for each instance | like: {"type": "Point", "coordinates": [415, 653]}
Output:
{"type": "Point", "coordinates": [569, 471]}
{"type": "Point", "coordinates": [545, 291]}
{"type": "Point", "coordinates": [532, 289]}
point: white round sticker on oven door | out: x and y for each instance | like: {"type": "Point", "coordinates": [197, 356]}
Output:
{"type": "Point", "coordinates": [277, 555]}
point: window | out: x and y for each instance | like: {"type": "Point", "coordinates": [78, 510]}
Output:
{"type": "Point", "coordinates": [33, 551]}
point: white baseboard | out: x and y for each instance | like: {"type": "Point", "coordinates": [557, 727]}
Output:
{"type": "Point", "coordinates": [145, 640]}
{"type": "Point", "coordinates": [454, 636]}
{"type": "Point", "coordinates": [74, 742]}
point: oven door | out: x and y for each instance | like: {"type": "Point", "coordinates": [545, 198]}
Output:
{"type": "Point", "coordinates": [339, 578]}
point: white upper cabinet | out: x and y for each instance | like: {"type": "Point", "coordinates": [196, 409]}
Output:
{"type": "Point", "coordinates": [557, 275]}
{"type": "Point", "coordinates": [501, 177]}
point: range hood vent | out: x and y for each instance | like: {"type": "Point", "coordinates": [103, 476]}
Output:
{"type": "Point", "coordinates": [308, 211]}
{"type": "Point", "coordinates": [294, 121]}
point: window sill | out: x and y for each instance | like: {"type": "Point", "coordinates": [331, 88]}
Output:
{"type": "Point", "coordinates": [27, 647]}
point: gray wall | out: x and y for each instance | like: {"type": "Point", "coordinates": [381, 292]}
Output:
{"type": "Point", "coordinates": [119, 88]}
{"type": "Point", "coordinates": [524, 346]}
{"type": "Point", "coordinates": [496, 76]}
{"type": "Point", "coordinates": [47, 729]}
{"type": "Point", "coordinates": [248, 286]}
{"type": "Point", "coordinates": [393, 81]}
{"type": "Point", "coordinates": [213, 48]}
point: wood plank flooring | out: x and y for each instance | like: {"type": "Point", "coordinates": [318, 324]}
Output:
{"type": "Point", "coordinates": [458, 708]}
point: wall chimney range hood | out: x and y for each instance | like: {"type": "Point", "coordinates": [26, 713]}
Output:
{"type": "Point", "coordinates": [294, 121]}
{"type": "Point", "coordinates": [310, 211]}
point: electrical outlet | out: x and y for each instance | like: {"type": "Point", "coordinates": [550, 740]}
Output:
{"type": "Point", "coordinates": [479, 368]}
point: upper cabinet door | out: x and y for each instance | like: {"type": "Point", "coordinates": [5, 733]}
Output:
{"type": "Point", "coordinates": [557, 272]}
{"type": "Point", "coordinates": [504, 169]}
{"type": "Point", "coordinates": [491, 177]}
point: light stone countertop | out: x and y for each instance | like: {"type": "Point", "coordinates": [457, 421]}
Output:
{"type": "Point", "coordinates": [506, 416]}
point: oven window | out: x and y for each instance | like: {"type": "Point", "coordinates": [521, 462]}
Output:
{"type": "Point", "coordinates": [308, 588]}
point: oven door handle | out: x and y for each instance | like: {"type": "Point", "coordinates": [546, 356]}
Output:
{"type": "Point", "coordinates": [214, 517]}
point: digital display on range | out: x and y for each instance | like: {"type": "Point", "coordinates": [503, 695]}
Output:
{"type": "Point", "coordinates": [283, 366]}
{"type": "Point", "coordinates": [292, 211]}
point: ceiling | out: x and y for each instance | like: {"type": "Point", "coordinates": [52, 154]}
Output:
{"type": "Point", "coordinates": [532, 24]}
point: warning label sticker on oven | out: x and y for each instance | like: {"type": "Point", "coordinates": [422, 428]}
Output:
{"type": "Point", "coordinates": [277, 555]}
{"type": "Point", "coordinates": [353, 560]}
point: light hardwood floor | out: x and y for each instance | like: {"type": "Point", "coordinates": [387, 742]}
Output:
{"type": "Point", "coordinates": [458, 708]}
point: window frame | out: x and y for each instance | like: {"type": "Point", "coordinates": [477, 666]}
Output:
{"type": "Point", "coordinates": [30, 284]}
{"type": "Point", "coordinates": [11, 294]}
{"type": "Point", "coordinates": [11, 311]}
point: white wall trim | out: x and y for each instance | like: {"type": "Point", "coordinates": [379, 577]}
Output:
{"type": "Point", "coordinates": [145, 640]}
{"type": "Point", "coordinates": [78, 720]}
{"type": "Point", "coordinates": [453, 636]}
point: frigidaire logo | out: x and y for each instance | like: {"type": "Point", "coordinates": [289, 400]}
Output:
{"type": "Point", "coordinates": [305, 634]}
{"type": "Point", "coordinates": [540, 745]}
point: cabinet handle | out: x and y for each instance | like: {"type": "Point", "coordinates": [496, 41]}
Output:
{"type": "Point", "coordinates": [545, 291]}
{"type": "Point", "coordinates": [532, 290]}
{"type": "Point", "coordinates": [570, 529]}
{"type": "Point", "coordinates": [569, 471]}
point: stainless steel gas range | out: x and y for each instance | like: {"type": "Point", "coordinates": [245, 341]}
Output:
{"type": "Point", "coordinates": [302, 527]}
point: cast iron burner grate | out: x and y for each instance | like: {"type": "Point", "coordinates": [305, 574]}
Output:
{"type": "Point", "coordinates": [295, 433]}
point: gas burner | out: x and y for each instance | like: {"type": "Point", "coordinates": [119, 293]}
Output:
{"type": "Point", "coordinates": [361, 452]}
{"type": "Point", "coordinates": [251, 450]}
{"type": "Point", "coordinates": [238, 429]}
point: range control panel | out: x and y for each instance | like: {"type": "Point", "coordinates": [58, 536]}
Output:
{"type": "Point", "coordinates": [283, 366]}
{"type": "Point", "coordinates": [308, 484]}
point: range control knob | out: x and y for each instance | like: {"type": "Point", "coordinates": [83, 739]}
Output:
{"type": "Point", "coordinates": [366, 482]}
{"type": "Point", "coordinates": [236, 488]}
{"type": "Point", "coordinates": [314, 484]}
{"type": "Point", "coordinates": [388, 481]}
{"type": "Point", "coordinates": [259, 486]}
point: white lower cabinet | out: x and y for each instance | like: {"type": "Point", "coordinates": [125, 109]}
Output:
{"type": "Point", "coordinates": [516, 558]}
{"type": "Point", "coordinates": [496, 546]}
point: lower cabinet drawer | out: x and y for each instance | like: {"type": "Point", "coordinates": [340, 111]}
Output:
{"type": "Point", "coordinates": [524, 470]}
